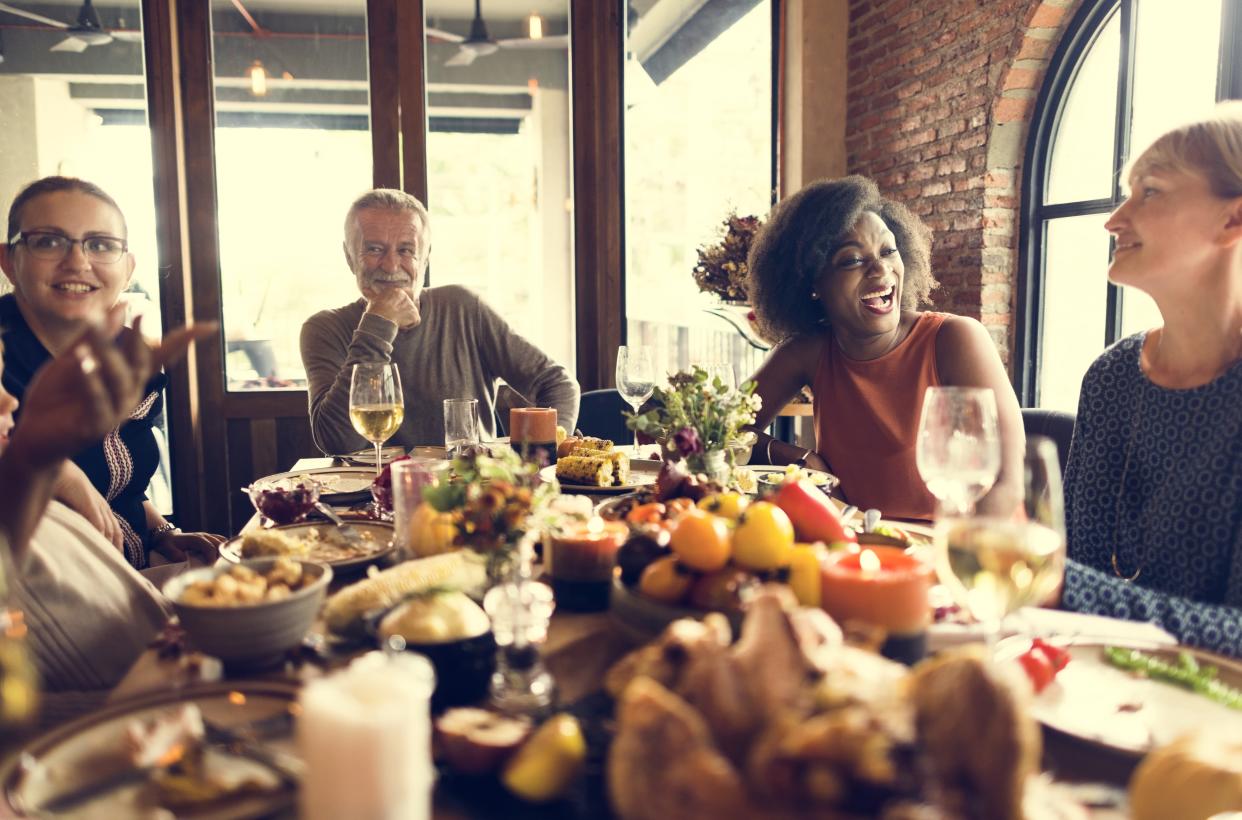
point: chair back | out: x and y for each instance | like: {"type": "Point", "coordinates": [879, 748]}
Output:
{"type": "Point", "coordinates": [599, 415]}
{"type": "Point", "coordinates": [1054, 424]}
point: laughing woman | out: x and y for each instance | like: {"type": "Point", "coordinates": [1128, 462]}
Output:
{"type": "Point", "coordinates": [837, 276]}
{"type": "Point", "coordinates": [1153, 486]}
{"type": "Point", "coordinates": [68, 261]}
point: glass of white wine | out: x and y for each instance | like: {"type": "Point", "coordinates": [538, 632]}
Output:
{"type": "Point", "coordinates": [959, 450]}
{"type": "Point", "coordinates": [635, 378]}
{"type": "Point", "coordinates": [1014, 556]}
{"type": "Point", "coordinates": [376, 404]}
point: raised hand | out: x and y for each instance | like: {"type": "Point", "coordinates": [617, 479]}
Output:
{"type": "Point", "coordinates": [394, 304]}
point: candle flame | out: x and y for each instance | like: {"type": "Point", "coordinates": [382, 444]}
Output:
{"type": "Point", "coordinates": [237, 698]}
{"type": "Point", "coordinates": [595, 526]}
{"type": "Point", "coordinates": [868, 561]}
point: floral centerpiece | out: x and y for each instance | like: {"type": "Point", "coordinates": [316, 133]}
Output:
{"type": "Point", "coordinates": [493, 501]}
{"type": "Point", "coordinates": [699, 419]}
{"type": "Point", "coordinates": [722, 268]}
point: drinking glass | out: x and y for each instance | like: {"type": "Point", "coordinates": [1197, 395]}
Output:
{"type": "Point", "coordinates": [1013, 556]}
{"type": "Point", "coordinates": [635, 378]}
{"type": "Point", "coordinates": [461, 426]}
{"type": "Point", "coordinates": [722, 371]}
{"type": "Point", "coordinates": [959, 450]}
{"type": "Point", "coordinates": [376, 404]}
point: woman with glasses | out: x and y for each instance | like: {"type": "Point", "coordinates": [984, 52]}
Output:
{"type": "Point", "coordinates": [67, 259]}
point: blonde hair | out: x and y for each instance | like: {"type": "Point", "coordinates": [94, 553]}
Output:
{"type": "Point", "coordinates": [1211, 146]}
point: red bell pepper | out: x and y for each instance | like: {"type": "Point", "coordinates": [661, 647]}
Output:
{"type": "Point", "coordinates": [812, 512]}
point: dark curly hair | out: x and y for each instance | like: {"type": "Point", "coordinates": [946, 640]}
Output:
{"type": "Point", "coordinates": [799, 239]}
{"type": "Point", "coordinates": [52, 185]}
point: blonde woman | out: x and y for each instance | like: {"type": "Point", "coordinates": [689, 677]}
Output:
{"type": "Point", "coordinates": [1154, 480]}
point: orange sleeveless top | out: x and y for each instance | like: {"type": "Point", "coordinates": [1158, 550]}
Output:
{"type": "Point", "coordinates": [867, 420]}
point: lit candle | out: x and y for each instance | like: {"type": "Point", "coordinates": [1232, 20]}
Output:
{"type": "Point", "coordinates": [580, 563]}
{"type": "Point", "coordinates": [365, 735]}
{"type": "Point", "coordinates": [881, 586]}
{"type": "Point", "coordinates": [532, 431]}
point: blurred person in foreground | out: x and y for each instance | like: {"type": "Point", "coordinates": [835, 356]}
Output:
{"type": "Point", "coordinates": [1154, 480]}
{"type": "Point", "coordinates": [89, 614]}
{"type": "Point", "coordinates": [68, 260]}
{"type": "Point", "coordinates": [446, 342]}
{"type": "Point", "coordinates": [836, 278]}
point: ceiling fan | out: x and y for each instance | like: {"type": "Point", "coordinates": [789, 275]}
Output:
{"type": "Point", "coordinates": [88, 31]}
{"type": "Point", "coordinates": [480, 44]}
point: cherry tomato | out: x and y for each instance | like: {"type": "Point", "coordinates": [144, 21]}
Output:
{"type": "Point", "coordinates": [1038, 668]}
{"type": "Point", "coordinates": [646, 513]}
{"type": "Point", "coordinates": [1056, 656]}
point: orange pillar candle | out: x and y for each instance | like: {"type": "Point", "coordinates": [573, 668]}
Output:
{"type": "Point", "coordinates": [878, 585]}
{"type": "Point", "coordinates": [580, 561]}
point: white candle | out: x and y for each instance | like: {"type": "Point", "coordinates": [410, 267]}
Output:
{"type": "Point", "coordinates": [365, 735]}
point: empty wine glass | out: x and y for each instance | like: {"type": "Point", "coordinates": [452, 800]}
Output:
{"type": "Point", "coordinates": [722, 371]}
{"type": "Point", "coordinates": [1013, 556]}
{"type": "Point", "coordinates": [635, 378]}
{"type": "Point", "coordinates": [959, 450]}
{"type": "Point", "coordinates": [376, 404]}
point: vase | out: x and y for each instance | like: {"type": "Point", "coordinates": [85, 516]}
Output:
{"type": "Point", "coordinates": [712, 463]}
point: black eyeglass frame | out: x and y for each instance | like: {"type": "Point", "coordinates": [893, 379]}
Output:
{"type": "Point", "coordinates": [23, 238]}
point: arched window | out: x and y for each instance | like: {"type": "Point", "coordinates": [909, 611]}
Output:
{"type": "Point", "coordinates": [1124, 72]}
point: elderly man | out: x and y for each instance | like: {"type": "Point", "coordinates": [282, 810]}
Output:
{"type": "Point", "coordinates": [445, 341]}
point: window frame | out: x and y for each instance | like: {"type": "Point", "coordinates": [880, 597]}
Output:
{"type": "Point", "coordinates": [1067, 60]}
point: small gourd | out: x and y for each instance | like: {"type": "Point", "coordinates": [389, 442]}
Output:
{"type": "Point", "coordinates": [431, 532]}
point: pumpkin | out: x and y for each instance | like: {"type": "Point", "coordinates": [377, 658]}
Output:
{"type": "Point", "coordinates": [431, 532]}
{"type": "Point", "coordinates": [1192, 778]}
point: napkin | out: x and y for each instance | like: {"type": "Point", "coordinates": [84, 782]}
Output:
{"type": "Point", "coordinates": [1056, 623]}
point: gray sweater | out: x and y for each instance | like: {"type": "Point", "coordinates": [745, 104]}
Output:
{"type": "Point", "coordinates": [459, 350]}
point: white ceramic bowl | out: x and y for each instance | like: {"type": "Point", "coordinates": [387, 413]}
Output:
{"type": "Point", "coordinates": [252, 633]}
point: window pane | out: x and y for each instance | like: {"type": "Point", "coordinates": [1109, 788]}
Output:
{"type": "Point", "coordinates": [1138, 312]}
{"type": "Point", "coordinates": [1075, 299]}
{"type": "Point", "coordinates": [499, 179]}
{"type": "Point", "coordinates": [1082, 149]}
{"type": "Point", "coordinates": [698, 143]}
{"type": "Point", "coordinates": [84, 114]}
{"type": "Point", "coordinates": [293, 149]}
{"type": "Point", "coordinates": [1175, 65]}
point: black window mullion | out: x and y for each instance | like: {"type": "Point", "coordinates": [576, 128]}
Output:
{"type": "Point", "coordinates": [1229, 80]}
{"type": "Point", "coordinates": [1121, 148]}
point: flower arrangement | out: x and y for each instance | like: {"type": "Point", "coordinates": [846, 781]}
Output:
{"type": "Point", "coordinates": [493, 499]}
{"type": "Point", "coordinates": [699, 414]}
{"type": "Point", "coordinates": [722, 268]}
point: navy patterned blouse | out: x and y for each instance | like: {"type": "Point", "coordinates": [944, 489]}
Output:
{"type": "Point", "coordinates": [120, 467]}
{"type": "Point", "coordinates": [1154, 480]}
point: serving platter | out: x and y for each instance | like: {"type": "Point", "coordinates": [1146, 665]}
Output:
{"type": "Point", "coordinates": [330, 549]}
{"type": "Point", "coordinates": [1103, 705]}
{"type": "Point", "coordinates": [92, 749]}
{"type": "Point", "coordinates": [340, 484]}
{"type": "Point", "coordinates": [642, 472]}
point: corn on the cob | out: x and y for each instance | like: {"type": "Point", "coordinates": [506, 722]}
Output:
{"type": "Point", "coordinates": [592, 443]}
{"type": "Point", "coordinates": [345, 611]}
{"type": "Point", "coordinates": [593, 470]}
{"type": "Point", "coordinates": [620, 463]}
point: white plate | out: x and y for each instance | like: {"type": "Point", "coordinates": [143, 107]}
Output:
{"type": "Point", "coordinates": [336, 481]}
{"type": "Point", "coordinates": [771, 477]}
{"type": "Point", "coordinates": [1093, 700]}
{"type": "Point", "coordinates": [643, 471]}
{"type": "Point", "coordinates": [380, 533]}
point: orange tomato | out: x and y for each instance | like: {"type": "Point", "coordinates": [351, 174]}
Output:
{"type": "Point", "coordinates": [664, 580]}
{"type": "Point", "coordinates": [700, 540]}
{"type": "Point", "coordinates": [764, 537]}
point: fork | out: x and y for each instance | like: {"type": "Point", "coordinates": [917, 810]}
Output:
{"type": "Point", "coordinates": [348, 531]}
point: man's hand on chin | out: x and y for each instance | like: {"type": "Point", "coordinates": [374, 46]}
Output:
{"type": "Point", "coordinates": [394, 304]}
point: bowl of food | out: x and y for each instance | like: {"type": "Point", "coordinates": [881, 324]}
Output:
{"type": "Point", "coordinates": [251, 612]}
{"type": "Point", "coordinates": [285, 500]}
{"type": "Point", "coordinates": [455, 634]}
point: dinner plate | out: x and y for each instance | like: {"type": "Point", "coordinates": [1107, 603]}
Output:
{"type": "Point", "coordinates": [339, 483]}
{"type": "Point", "coordinates": [771, 477]}
{"type": "Point", "coordinates": [642, 472]}
{"type": "Point", "coordinates": [92, 749]}
{"type": "Point", "coordinates": [1097, 702]}
{"type": "Point", "coordinates": [378, 534]}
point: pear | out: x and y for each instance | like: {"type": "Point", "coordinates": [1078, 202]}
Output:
{"type": "Point", "coordinates": [543, 769]}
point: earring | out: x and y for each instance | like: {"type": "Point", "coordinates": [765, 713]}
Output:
{"type": "Point", "coordinates": [814, 295]}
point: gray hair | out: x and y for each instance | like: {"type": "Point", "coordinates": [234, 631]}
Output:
{"type": "Point", "coordinates": [388, 199]}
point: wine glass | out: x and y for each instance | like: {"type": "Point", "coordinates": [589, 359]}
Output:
{"type": "Point", "coordinates": [635, 378]}
{"type": "Point", "coordinates": [722, 371]}
{"type": "Point", "coordinates": [959, 451]}
{"type": "Point", "coordinates": [376, 404]}
{"type": "Point", "coordinates": [1013, 556]}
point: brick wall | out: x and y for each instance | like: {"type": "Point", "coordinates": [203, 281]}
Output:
{"type": "Point", "coordinates": [939, 95]}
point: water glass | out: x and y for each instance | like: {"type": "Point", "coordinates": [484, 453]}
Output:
{"type": "Point", "coordinates": [959, 450]}
{"type": "Point", "coordinates": [461, 426]}
{"type": "Point", "coordinates": [409, 477]}
{"type": "Point", "coordinates": [635, 378]}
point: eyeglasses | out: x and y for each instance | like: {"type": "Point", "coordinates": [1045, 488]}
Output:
{"type": "Point", "coordinates": [55, 246]}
